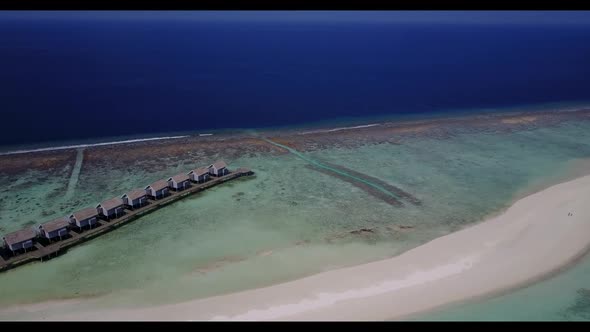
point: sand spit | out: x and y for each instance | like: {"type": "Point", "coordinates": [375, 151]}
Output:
{"type": "Point", "coordinates": [536, 236]}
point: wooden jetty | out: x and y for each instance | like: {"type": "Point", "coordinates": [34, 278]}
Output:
{"type": "Point", "coordinates": [53, 249]}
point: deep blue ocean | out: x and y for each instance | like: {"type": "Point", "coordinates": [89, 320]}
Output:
{"type": "Point", "coordinates": [78, 79]}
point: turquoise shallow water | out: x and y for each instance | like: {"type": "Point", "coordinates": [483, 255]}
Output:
{"type": "Point", "coordinates": [565, 297]}
{"type": "Point", "coordinates": [287, 222]}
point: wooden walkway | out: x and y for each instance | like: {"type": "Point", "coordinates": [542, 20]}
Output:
{"type": "Point", "coordinates": [56, 248]}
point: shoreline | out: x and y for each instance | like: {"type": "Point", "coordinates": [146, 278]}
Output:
{"type": "Point", "coordinates": [519, 247]}
{"type": "Point", "coordinates": [501, 292]}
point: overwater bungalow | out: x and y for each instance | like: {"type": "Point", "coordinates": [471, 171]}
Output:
{"type": "Point", "coordinates": [179, 182]}
{"type": "Point", "coordinates": [18, 240]}
{"type": "Point", "coordinates": [83, 218]}
{"type": "Point", "coordinates": [158, 189]}
{"type": "Point", "coordinates": [135, 198]}
{"type": "Point", "coordinates": [199, 175]}
{"type": "Point", "coordinates": [57, 228]}
{"type": "Point", "coordinates": [41, 236]}
{"type": "Point", "coordinates": [219, 168]}
{"type": "Point", "coordinates": [111, 208]}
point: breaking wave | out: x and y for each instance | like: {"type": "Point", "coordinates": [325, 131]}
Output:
{"type": "Point", "coordinates": [91, 145]}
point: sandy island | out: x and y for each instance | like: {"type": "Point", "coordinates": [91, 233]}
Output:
{"type": "Point", "coordinates": [533, 238]}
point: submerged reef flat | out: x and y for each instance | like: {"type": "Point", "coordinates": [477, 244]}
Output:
{"type": "Point", "coordinates": [289, 221]}
{"type": "Point", "coordinates": [384, 196]}
{"type": "Point", "coordinates": [158, 155]}
{"type": "Point", "coordinates": [59, 181]}
{"type": "Point", "coordinates": [372, 185]}
{"type": "Point", "coordinates": [154, 155]}
{"type": "Point", "coordinates": [388, 187]}
{"type": "Point", "coordinates": [437, 128]}
{"type": "Point", "coordinates": [49, 162]}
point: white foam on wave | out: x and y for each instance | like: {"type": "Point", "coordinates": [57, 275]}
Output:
{"type": "Point", "coordinates": [91, 145]}
{"type": "Point", "coordinates": [338, 129]}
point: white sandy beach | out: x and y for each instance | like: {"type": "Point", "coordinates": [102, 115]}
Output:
{"type": "Point", "coordinates": [533, 238]}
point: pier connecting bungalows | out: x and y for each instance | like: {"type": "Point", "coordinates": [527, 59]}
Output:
{"type": "Point", "coordinates": [18, 240]}
{"type": "Point", "coordinates": [67, 235]}
{"type": "Point", "coordinates": [83, 218]}
{"type": "Point", "coordinates": [219, 168]}
{"type": "Point", "coordinates": [179, 182]}
{"type": "Point", "coordinates": [135, 198]}
{"type": "Point", "coordinates": [158, 189]}
{"type": "Point", "coordinates": [112, 208]}
{"type": "Point", "coordinates": [57, 228]}
{"type": "Point", "coordinates": [199, 175]}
